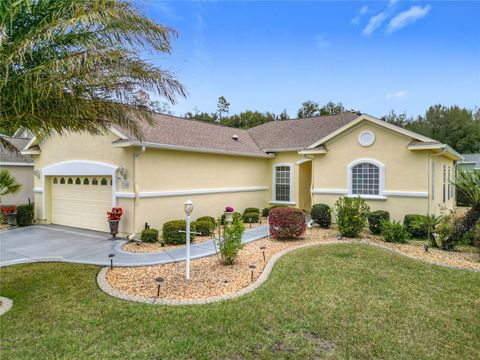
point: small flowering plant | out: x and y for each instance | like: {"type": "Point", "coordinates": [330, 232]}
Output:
{"type": "Point", "coordinates": [9, 209]}
{"type": "Point", "coordinates": [229, 209]}
{"type": "Point", "coordinates": [115, 214]}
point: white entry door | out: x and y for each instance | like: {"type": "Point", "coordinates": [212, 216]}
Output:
{"type": "Point", "coordinates": [81, 201]}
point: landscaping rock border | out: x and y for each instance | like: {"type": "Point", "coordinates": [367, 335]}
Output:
{"type": "Point", "coordinates": [6, 305]}
{"type": "Point", "coordinates": [105, 287]}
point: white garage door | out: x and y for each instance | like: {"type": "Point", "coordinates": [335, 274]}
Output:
{"type": "Point", "coordinates": [81, 201]}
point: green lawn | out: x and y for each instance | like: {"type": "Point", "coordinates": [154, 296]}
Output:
{"type": "Point", "coordinates": [369, 302]}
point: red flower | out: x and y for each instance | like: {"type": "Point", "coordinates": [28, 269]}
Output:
{"type": "Point", "coordinates": [10, 209]}
{"type": "Point", "coordinates": [115, 214]}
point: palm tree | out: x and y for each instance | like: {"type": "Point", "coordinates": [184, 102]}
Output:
{"type": "Point", "coordinates": [469, 183]}
{"type": "Point", "coordinates": [69, 65]}
{"type": "Point", "coordinates": [8, 184]}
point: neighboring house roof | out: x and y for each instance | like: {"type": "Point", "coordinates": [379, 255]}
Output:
{"type": "Point", "coordinates": [15, 157]}
{"type": "Point", "coordinates": [471, 159]}
{"type": "Point", "coordinates": [298, 133]}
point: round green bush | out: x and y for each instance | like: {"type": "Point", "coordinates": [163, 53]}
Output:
{"type": "Point", "coordinates": [254, 216]}
{"type": "Point", "coordinates": [375, 221]}
{"type": "Point", "coordinates": [351, 213]}
{"type": "Point", "coordinates": [322, 215]}
{"type": "Point", "coordinates": [25, 215]}
{"type": "Point", "coordinates": [207, 218]}
{"type": "Point", "coordinates": [171, 234]}
{"type": "Point", "coordinates": [416, 229]}
{"type": "Point", "coordinates": [394, 231]}
{"type": "Point", "coordinates": [149, 235]}
{"type": "Point", "coordinates": [205, 227]}
{"type": "Point", "coordinates": [251, 210]}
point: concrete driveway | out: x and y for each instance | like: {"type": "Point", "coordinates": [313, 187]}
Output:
{"type": "Point", "coordinates": [41, 243]}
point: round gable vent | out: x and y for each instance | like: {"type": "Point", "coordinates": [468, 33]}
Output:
{"type": "Point", "coordinates": [366, 138]}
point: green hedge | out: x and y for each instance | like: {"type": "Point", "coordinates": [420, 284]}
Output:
{"type": "Point", "coordinates": [207, 218]}
{"type": "Point", "coordinates": [251, 210]}
{"type": "Point", "coordinates": [322, 215]}
{"type": "Point", "coordinates": [25, 215]}
{"type": "Point", "coordinates": [375, 221]}
{"type": "Point", "coordinates": [394, 231]}
{"type": "Point", "coordinates": [252, 215]}
{"type": "Point", "coordinates": [416, 231]}
{"type": "Point", "coordinates": [149, 235]}
{"type": "Point", "coordinates": [171, 234]}
{"type": "Point", "coordinates": [205, 227]}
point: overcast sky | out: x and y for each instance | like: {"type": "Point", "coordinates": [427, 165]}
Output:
{"type": "Point", "coordinates": [371, 56]}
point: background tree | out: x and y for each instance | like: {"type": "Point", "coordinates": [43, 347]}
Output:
{"type": "Point", "coordinates": [68, 65]}
{"type": "Point", "coordinates": [223, 106]}
{"type": "Point", "coordinates": [330, 108]}
{"type": "Point", "coordinates": [455, 126]}
{"type": "Point", "coordinates": [309, 108]}
{"type": "Point", "coordinates": [8, 184]}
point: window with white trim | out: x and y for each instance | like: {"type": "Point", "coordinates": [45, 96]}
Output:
{"type": "Point", "coordinates": [449, 185]}
{"type": "Point", "coordinates": [444, 182]}
{"type": "Point", "coordinates": [433, 180]}
{"type": "Point", "coordinates": [282, 183]}
{"type": "Point", "coordinates": [365, 179]}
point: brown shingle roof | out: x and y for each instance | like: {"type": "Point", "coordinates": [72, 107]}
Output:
{"type": "Point", "coordinates": [298, 133]}
{"type": "Point", "coordinates": [9, 156]}
{"type": "Point", "coordinates": [276, 135]}
{"type": "Point", "coordinates": [175, 131]}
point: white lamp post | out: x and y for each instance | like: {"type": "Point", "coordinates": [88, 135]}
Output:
{"type": "Point", "coordinates": [188, 208]}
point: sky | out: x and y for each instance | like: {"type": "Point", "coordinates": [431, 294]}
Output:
{"type": "Point", "coordinates": [373, 56]}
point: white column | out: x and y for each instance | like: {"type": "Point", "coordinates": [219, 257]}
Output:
{"type": "Point", "coordinates": [187, 263]}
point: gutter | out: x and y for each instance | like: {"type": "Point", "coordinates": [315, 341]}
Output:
{"type": "Point", "coordinates": [188, 148]}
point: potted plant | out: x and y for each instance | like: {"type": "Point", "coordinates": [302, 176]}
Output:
{"type": "Point", "coordinates": [114, 217]}
{"type": "Point", "coordinates": [11, 214]}
{"type": "Point", "coordinates": [229, 213]}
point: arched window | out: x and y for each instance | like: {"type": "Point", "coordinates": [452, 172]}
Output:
{"type": "Point", "coordinates": [104, 182]}
{"type": "Point", "coordinates": [366, 178]}
{"type": "Point", "coordinates": [78, 181]}
{"type": "Point", "coordinates": [94, 181]}
{"type": "Point", "coordinates": [62, 181]}
{"type": "Point", "coordinates": [86, 181]}
{"type": "Point", "coordinates": [55, 180]}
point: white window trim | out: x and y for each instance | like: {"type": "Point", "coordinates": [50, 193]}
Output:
{"type": "Point", "coordinates": [274, 182]}
{"type": "Point", "coordinates": [381, 183]}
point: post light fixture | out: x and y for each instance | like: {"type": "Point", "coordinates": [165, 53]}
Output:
{"type": "Point", "coordinates": [111, 256]}
{"type": "Point", "coordinates": [188, 208]}
{"type": "Point", "coordinates": [250, 221]}
{"type": "Point", "coordinates": [159, 281]}
{"type": "Point", "coordinates": [425, 247]}
{"type": "Point", "coordinates": [252, 267]}
{"type": "Point", "coordinates": [263, 252]}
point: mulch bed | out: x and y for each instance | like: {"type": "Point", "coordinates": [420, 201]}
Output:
{"type": "Point", "coordinates": [210, 278]}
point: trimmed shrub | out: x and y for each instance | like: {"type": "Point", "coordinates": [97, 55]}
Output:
{"type": "Point", "coordinates": [171, 234]}
{"type": "Point", "coordinates": [25, 215]}
{"type": "Point", "coordinates": [230, 242]}
{"type": "Point", "coordinates": [252, 215]}
{"type": "Point", "coordinates": [149, 235]}
{"type": "Point", "coordinates": [207, 218]}
{"type": "Point", "coordinates": [287, 223]}
{"type": "Point", "coordinates": [251, 210]}
{"type": "Point", "coordinates": [322, 215]}
{"type": "Point", "coordinates": [266, 211]}
{"type": "Point", "coordinates": [375, 221]}
{"type": "Point", "coordinates": [416, 226]}
{"type": "Point", "coordinates": [205, 227]}
{"type": "Point", "coordinates": [351, 213]}
{"type": "Point", "coordinates": [394, 231]}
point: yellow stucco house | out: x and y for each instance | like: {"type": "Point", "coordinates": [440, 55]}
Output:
{"type": "Point", "coordinates": [78, 177]}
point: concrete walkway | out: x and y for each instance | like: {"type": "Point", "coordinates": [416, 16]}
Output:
{"type": "Point", "coordinates": [42, 243]}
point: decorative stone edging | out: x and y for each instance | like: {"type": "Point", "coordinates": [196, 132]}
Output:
{"type": "Point", "coordinates": [105, 287]}
{"type": "Point", "coordinates": [6, 305]}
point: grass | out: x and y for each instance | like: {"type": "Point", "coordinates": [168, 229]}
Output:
{"type": "Point", "coordinates": [365, 302]}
